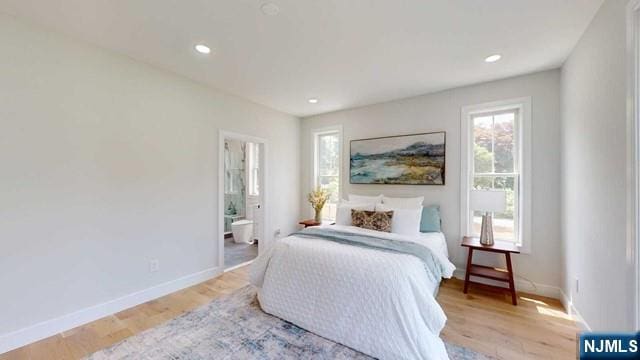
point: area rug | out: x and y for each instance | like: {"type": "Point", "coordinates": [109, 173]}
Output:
{"type": "Point", "coordinates": [234, 327]}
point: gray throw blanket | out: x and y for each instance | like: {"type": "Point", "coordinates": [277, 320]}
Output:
{"type": "Point", "coordinates": [431, 263]}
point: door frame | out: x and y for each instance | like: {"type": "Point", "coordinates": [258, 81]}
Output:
{"type": "Point", "coordinates": [633, 152]}
{"type": "Point", "coordinates": [264, 186]}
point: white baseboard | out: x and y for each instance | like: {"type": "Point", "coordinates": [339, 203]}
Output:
{"type": "Point", "coordinates": [45, 329]}
{"type": "Point", "coordinates": [573, 311]}
{"type": "Point", "coordinates": [521, 285]}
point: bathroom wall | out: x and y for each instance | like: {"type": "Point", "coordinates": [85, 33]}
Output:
{"type": "Point", "coordinates": [234, 180]}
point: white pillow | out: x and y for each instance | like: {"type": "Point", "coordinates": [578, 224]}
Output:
{"type": "Point", "coordinates": [343, 214]}
{"type": "Point", "coordinates": [365, 199]}
{"type": "Point", "coordinates": [404, 221]}
{"type": "Point", "coordinates": [403, 203]}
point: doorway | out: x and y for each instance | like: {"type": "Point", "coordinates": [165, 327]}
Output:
{"type": "Point", "coordinates": [241, 198]}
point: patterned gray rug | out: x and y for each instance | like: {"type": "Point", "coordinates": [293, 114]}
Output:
{"type": "Point", "coordinates": [234, 327]}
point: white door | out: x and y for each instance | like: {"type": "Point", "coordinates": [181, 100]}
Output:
{"type": "Point", "coordinates": [254, 198]}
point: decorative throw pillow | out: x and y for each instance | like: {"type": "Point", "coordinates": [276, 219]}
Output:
{"type": "Point", "coordinates": [430, 221]}
{"type": "Point", "coordinates": [372, 220]}
{"type": "Point", "coordinates": [343, 214]}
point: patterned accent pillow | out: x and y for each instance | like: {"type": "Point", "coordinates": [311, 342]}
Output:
{"type": "Point", "coordinates": [372, 220]}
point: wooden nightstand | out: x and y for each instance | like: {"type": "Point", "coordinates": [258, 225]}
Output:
{"type": "Point", "coordinates": [488, 272]}
{"type": "Point", "coordinates": [309, 223]}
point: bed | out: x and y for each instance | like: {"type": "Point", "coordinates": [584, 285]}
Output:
{"type": "Point", "coordinates": [369, 290]}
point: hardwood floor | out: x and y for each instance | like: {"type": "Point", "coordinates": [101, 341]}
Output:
{"type": "Point", "coordinates": [483, 320]}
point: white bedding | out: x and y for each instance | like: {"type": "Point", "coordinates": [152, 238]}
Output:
{"type": "Point", "coordinates": [378, 302]}
{"type": "Point", "coordinates": [437, 239]}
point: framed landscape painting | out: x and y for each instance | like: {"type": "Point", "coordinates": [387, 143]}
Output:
{"type": "Point", "coordinates": [417, 159]}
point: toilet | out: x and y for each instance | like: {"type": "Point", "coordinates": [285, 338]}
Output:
{"type": "Point", "coordinates": [242, 231]}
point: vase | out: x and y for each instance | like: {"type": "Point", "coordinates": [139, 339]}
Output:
{"type": "Point", "coordinates": [486, 232]}
{"type": "Point", "coordinates": [318, 217]}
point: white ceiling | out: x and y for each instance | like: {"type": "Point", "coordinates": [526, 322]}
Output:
{"type": "Point", "coordinates": [346, 53]}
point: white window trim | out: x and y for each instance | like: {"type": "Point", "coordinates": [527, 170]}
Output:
{"type": "Point", "coordinates": [314, 157]}
{"type": "Point", "coordinates": [523, 105]}
{"type": "Point", "coordinates": [633, 151]}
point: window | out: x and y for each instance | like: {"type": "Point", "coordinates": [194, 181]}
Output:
{"type": "Point", "coordinates": [495, 150]}
{"type": "Point", "coordinates": [495, 141]}
{"type": "Point", "coordinates": [253, 156]}
{"type": "Point", "coordinates": [327, 145]}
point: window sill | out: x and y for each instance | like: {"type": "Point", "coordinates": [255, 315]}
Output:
{"type": "Point", "coordinates": [524, 249]}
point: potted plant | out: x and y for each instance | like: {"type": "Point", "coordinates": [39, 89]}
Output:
{"type": "Point", "coordinates": [317, 198]}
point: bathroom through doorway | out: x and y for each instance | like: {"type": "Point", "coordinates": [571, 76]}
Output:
{"type": "Point", "coordinates": [242, 198]}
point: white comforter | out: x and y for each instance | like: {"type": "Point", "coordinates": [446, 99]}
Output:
{"type": "Point", "coordinates": [378, 302]}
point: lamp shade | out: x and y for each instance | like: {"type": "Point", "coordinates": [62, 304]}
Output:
{"type": "Point", "coordinates": [489, 200]}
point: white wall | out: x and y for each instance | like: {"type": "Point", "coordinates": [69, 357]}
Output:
{"type": "Point", "coordinates": [441, 112]}
{"type": "Point", "coordinates": [106, 163]}
{"type": "Point", "coordinates": [594, 176]}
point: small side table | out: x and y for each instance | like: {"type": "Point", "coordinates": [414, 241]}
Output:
{"type": "Point", "coordinates": [309, 223]}
{"type": "Point", "coordinates": [488, 272]}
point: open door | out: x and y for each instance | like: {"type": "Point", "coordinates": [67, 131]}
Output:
{"type": "Point", "coordinates": [254, 198]}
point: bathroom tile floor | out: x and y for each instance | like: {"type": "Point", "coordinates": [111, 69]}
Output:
{"type": "Point", "coordinates": [236, 254]}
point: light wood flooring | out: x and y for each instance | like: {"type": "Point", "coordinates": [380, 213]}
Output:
{"type": "Point", "coordinates": [483, 320]}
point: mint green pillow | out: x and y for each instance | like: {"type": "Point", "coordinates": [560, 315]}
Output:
{"type": "Point", "coordinates": [430, 221]}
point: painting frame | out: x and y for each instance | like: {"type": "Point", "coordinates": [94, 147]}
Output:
{"type": "Point", "coordinates": [399, 180]}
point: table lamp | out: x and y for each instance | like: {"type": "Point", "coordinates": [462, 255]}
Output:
{"type": "Point", "coordinates": [489, 201]}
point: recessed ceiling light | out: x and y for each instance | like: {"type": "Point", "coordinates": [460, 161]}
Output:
{"type": "Point", "coordinates": [270, 9]}
{"type": "Point", "coordinates": [313, 101]}
{"type": "Point", "coordinates": [203, 49]}
{"type": "Point", "coordinates": [493, 58]}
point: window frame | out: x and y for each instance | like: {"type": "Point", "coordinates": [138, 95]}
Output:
{"type": "Point", "coordinates": [523, 134]}
{"type": "Point", "coordinates": [315, 135]}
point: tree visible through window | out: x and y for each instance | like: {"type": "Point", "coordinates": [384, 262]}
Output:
{"type": "Point", "coordinates": [495, 166]}
{"type": "Point", "coordinates": [327, 169]}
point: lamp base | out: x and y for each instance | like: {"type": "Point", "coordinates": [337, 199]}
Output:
{"type": "Point", "coordinates": [486, 232]}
